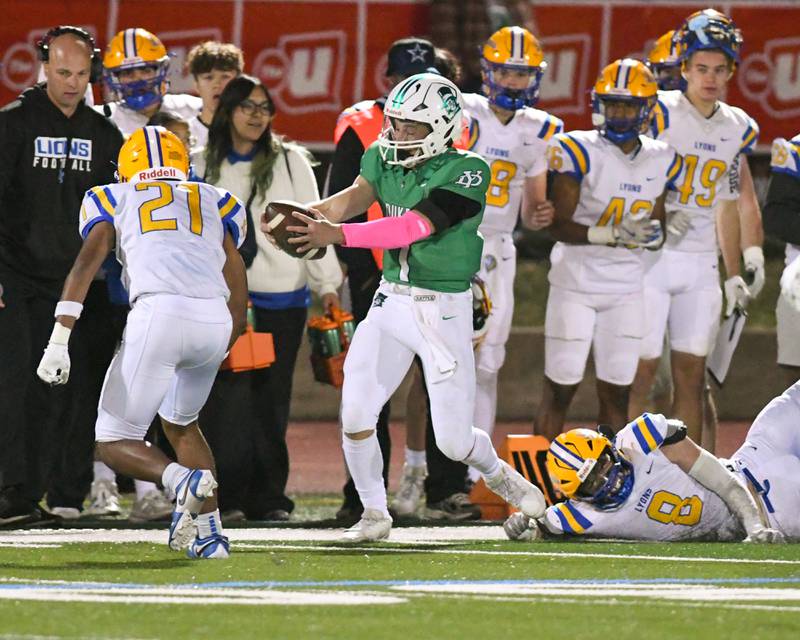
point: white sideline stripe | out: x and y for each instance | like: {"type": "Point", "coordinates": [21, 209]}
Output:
{"type": "Point", "coordinates": [624, 603]}
{"type": "Point", "coordinates": [405, 536]}
{"type": "Point", "coordinates": [24, 636]}
{"type": "Point", "coordinates": [28, 545]}
{"type": "Point", "coordinates": [202, 596]}
{"type": "Point", "coordinates": [543, 554]}
{"type": "Point", "coordinates": [670, 591]}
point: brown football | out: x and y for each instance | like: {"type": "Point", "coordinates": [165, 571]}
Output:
{"type": "Point", "coordinates": [279, 216]}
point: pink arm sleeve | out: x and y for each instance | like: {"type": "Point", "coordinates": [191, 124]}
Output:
{"type": "Point", "coordinates": [386, 233]}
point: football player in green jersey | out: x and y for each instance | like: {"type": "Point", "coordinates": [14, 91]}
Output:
{"type": "Point", "coordinates": [432, 197]}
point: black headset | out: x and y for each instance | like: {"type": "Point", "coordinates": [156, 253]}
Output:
{"type": "Point", "coordinates": [43, 48]}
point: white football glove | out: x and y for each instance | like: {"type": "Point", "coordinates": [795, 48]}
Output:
{"type": "Point", "coordinates": [644, 233]}
{"type": "Point", "coordinates": [764, 535]}
{"type": "Point", "coordinates": [736, 294]}
{"type": "Point", "coordinates": [54, 366]}
{"type": "Point", "coordinates": [520, 527]}
{"type": "Point", "coordinates": [790, 284]}
{"type": "Point", "coordinates": [679, 223]}
{"type": "Point", "coordinates": [754, 265]}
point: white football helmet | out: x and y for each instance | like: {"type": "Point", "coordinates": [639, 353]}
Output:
{"type": "Point", "coordinates": [427, 98]}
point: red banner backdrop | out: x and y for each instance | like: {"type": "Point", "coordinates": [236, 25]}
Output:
{"type": "Point", "coordinates": [319, 57]}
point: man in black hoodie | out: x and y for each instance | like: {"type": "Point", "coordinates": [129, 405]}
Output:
{"type": "Point", "coordinates": [54, 147]}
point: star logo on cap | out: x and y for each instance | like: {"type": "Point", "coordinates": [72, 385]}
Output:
{"type": "Point", "coordinates": [417, 53]}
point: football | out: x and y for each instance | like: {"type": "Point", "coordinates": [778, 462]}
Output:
{"type": "Point", "coordinates": [279, 216]}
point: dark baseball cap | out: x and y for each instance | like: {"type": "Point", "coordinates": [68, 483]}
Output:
{"type": "Point", "coordinates": [409, 56]}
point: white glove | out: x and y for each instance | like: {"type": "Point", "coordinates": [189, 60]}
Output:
{"type": "Point", "coordinates": [754, 265]}
{"type": "Point", "coordinates": [790, 284]}
{"type": "Point", "coordinates": [736, 294]}
{"type": "Point", "coordinates": [763, 535]}
{"type": "Point", "coordinates": [644, 233]}
{"type": "Point", "coordinates": [520, 527]}
{"type": "Point", "coordinates": [54, 366]}
{"type": "Point", "coordinates": [679, 223]}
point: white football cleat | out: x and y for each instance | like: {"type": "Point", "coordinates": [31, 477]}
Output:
{"type": "Point", "coordinates": [151, 507]}
{"type": "Point", "coordinates": [517, 491]}
{"type": "Point", "coordinates": [214, 547]}
{"type": "Point", "coordinates": [103, 499]}
{"type": "Point", "coordinates": [412, 487]}
{"type": "Point", "coordinates": [373, 526]}
{"type": "Point", "coordinates": [191, 493]}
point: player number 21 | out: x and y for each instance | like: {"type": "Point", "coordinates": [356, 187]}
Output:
{"type": "Point", "coordinates": [164, 197]}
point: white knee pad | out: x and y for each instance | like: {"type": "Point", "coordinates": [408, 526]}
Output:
{"type": "Point", "coordinates": [490, 357]}
{"type": "Point", "coordinates": [358, 416]}
{"type": "Point", "coordinates": [109, 428]}
{"type": "Point", "coordinates": [565, 360]}
{"type": "Point", "coordinates": [485, 377]}
{"type": "Point", "coordinates": [453, 444]}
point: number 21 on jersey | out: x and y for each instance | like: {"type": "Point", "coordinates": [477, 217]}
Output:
{"type": "Point", "coordinates": [164, 195]}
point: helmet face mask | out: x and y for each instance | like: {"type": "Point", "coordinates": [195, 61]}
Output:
{"type": "Point", "coordinates": [425, 99]}
{"type": "Point", "coordinates": [135, 50]}
{"type": "Point", "coordinates": [619, 129]}
{"type": "Point", "coordinates": [495, 85]}
{"type": "Point", "coordinates": [610, 481]}
{"type": "Point", "coordinates": [512, 67]}
{"type": "Point", "coordinates": [623, 100]}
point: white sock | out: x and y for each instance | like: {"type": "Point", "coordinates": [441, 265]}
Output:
{"type": "Point", "coordinates": [483, 456]}
{"type": "Point", "coordinates": [485, 400]}
{"type": "Point", "coordinates": [366, 467]}
{"type": "Point", "coordinates": [103, 472]}
{"type": "Point", "coordinates": [209, 524]}
{"type": "Point", "coordinates": [415, 458]}
{"type": "Point", "coordinates": [170, 478]}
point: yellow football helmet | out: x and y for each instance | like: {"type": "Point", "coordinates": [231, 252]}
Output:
{"type": "Point", "coordinates": [136, 49]}
{"type": "Point", "coordinates": [624, 83]}
{"type": "Point", "coordinates": [709, 30]}
{"type": "Point", "coordinates": [586, 466]}
{"type": "Point", "coordinates": [512, 49]}
{"type": "Point", "coordinates": [664, 61]}
{"type": "Point", "coordinates": [152, 153]}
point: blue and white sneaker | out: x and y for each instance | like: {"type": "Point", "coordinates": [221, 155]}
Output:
{"type": "Point", "coordinates": [213, 547]}
{"type": "Point", "coordinates": [191, 493]}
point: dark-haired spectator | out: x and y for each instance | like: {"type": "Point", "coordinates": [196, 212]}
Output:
{"type": "Point", "coordinates": [212, 65]}
{"type": "Point", "coordinates": [248, 159]}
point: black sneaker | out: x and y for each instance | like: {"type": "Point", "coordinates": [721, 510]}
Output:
{"type": "Point", "coordinates": [15, 510]}
{"type": "Point", "coordinates": [454, 507]}
{"type": "Point", "coordinates": [277, 515]}
{"type": "Point", "coordinates": [348, 515]}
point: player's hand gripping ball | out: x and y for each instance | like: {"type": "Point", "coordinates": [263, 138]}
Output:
{"type": "Point", "coordinates": [274, 221]}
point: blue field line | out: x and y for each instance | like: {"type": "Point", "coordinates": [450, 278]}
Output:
{"type": "Point", "coordinates": [283, 584]}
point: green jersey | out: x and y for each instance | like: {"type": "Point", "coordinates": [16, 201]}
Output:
{"type": "Point", "coordinates": [444, 261]}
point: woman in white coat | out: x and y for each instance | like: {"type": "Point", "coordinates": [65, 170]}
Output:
{"type": "Point", "coordinates": [245, 157]}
